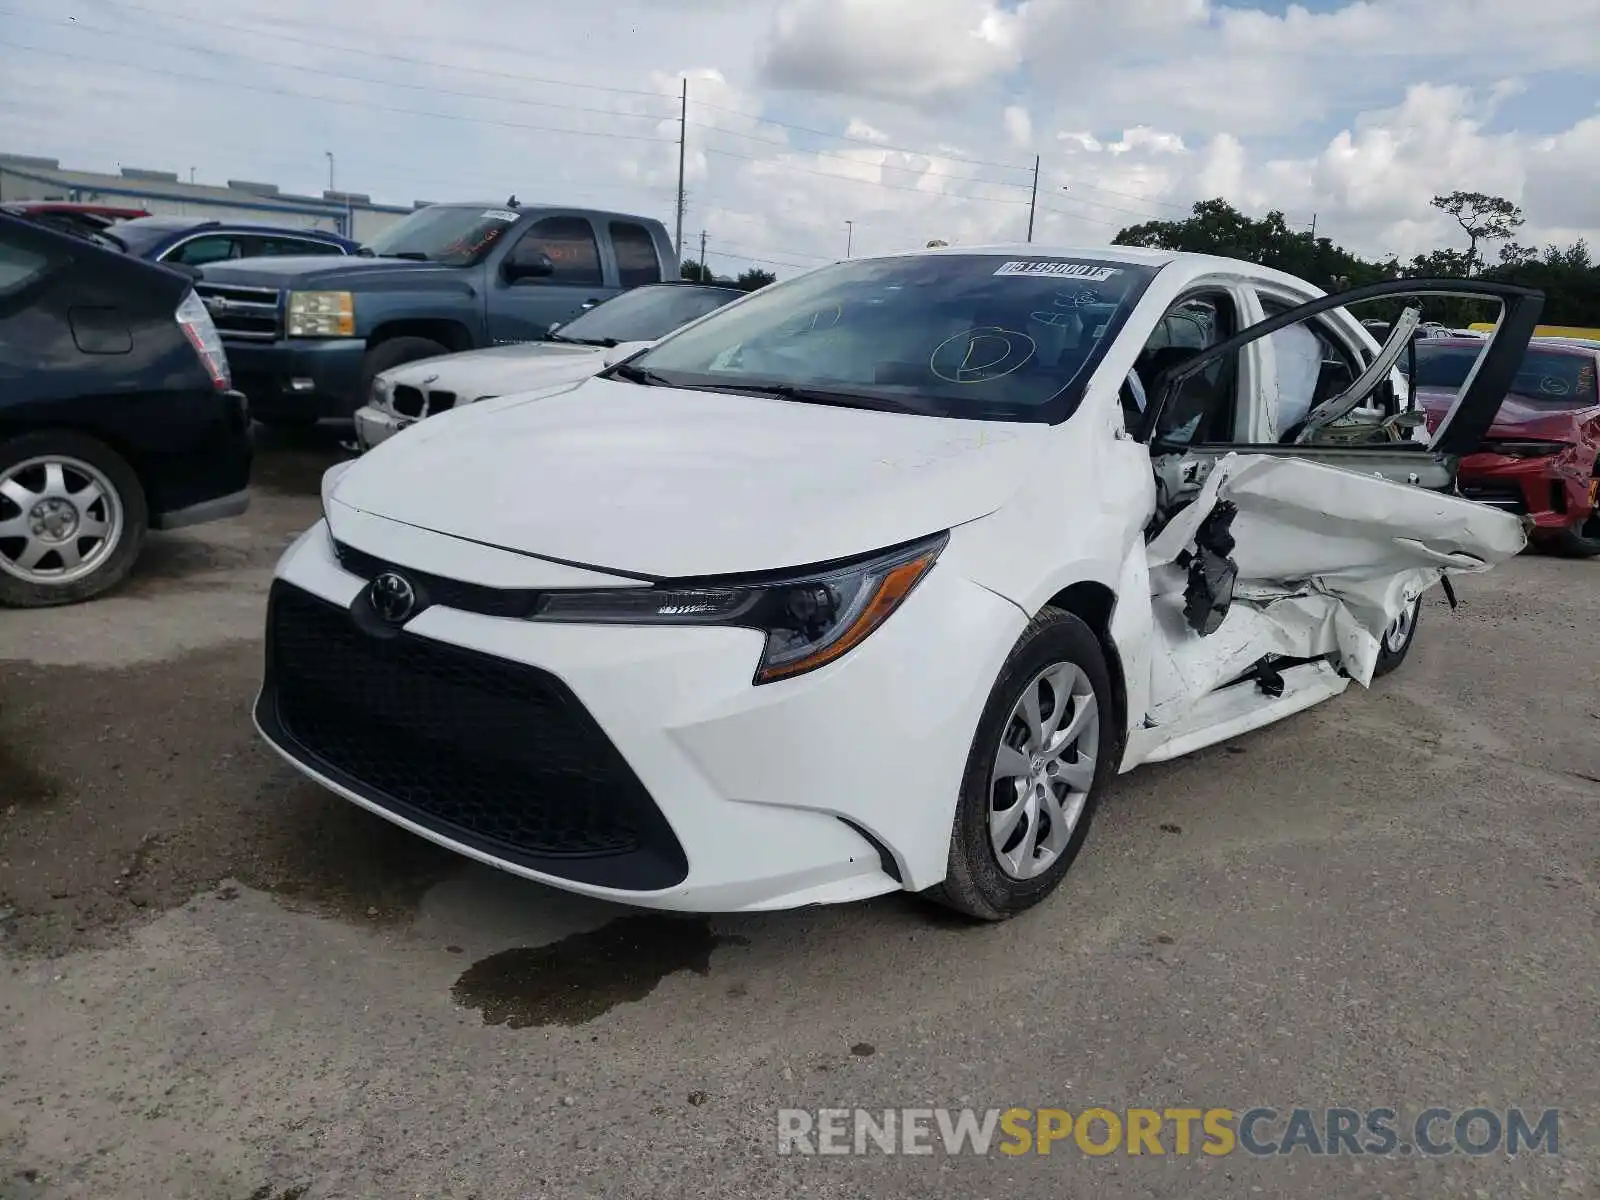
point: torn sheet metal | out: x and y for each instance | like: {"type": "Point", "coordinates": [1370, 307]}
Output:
{"type": "Point", "coordinates": [1327, 560]}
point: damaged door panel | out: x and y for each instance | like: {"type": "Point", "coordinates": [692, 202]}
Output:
{"type": "Point", "coordinates": [1276, 570]}
{"type": "Point", "coordinates": [1181, 468]}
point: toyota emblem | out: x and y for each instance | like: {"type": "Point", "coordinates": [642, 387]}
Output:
{"type": "Point", "coordinates": [392, 597]}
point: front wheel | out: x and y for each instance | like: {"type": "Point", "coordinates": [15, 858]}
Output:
{"type": "Point", "coordinates": [393, 353]}
{"type": "Point", "coordinates": [72, 519]}
{"type": "Point", "coordinates": [1044, 752]}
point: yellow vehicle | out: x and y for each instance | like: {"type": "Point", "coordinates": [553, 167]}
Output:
{"type": "Point", "coordinates": [1565, 331]}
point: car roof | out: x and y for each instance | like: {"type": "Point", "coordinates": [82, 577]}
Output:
{"type": "Point", "coordinates": [182, 224]}
{"type": "Point", "coordinates": [525, 207]}
{"type": "Point", "coordinates": [1133, 256]}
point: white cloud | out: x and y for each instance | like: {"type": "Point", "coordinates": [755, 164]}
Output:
{"type": "Point", "coordinates": [1358, 114]}
{"type": "Point", "coordinates": [1019, 126]}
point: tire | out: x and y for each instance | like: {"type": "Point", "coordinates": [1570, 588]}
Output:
{"type": "Point", "coordinates": [59, 468]}
{"type": "Point", "coordinates": [1397, 640]}
{"type": "Point", "coordinates": [978, 882]}
{"type": "Point", "coordinates": [1583, 542]}
{"type": "Point", "coordinates": [392, 353]}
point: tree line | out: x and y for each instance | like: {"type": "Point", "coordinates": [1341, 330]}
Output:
{"type": "Point", "coordinates": [1568, 276]}
{"type": "Point", "coordinates": [748, 281]}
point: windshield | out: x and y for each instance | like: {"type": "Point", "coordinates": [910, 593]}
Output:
{"type": "Point", "coordinates": [454, 235]}
{"type": "Point", "coordinates": [644, 314]}
{"type": "Point", "coordinates": [975, 336]}
{"type": "Point", "coordinates": [1545, 377]}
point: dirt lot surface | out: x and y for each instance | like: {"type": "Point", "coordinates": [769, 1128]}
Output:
{"type": "Point", "coordinates": [218, 981]}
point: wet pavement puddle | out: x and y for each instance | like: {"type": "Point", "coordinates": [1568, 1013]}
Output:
{"type": "Point", "coordinates": [576, 979]}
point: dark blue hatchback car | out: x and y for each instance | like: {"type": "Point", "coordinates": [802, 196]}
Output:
{"type": "Point", "coordinates": [195, 243]}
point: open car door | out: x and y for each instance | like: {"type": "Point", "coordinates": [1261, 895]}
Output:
{"type": "Point", "coordinates": [1276, 570]}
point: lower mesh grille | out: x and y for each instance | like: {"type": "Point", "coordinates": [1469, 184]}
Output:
{"type": "Point", "coordinates": [496, 755]}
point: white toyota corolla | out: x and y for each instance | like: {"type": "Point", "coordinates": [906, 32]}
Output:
{"type": "Point", "coordinates": [875, 579]}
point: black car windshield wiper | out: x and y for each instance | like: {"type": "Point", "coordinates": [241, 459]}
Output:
{"type": "Point", "coordinates": [641, 375]}
{"type": "Point", "coordinates": [411, 255]}
{"type": "Point", "coordinates": [608, 343]}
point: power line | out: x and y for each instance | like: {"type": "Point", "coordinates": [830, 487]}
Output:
{"type": "Point", "coordinates": [845, 137]}
{"type": "Point", "coordinates": [272, 91]}
{"type": "Point", "coordinates": [898, 187]}
{"type": "Point", "coordinates": [775, 250]}
{"type": "Point", "coordinates": [272, 62]}
{"type": "Point", "coordinates": [771, 262]}
{"type": "Point", "coordinates": [320, 44]}
{"type": "Point", "coordinates": [843, 158]}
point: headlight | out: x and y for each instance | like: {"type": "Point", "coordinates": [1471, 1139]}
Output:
{"type": "Point", "coordinates": [382, 389]}
{"type": "Point", "coordinates": [330, 479]}
{"type": "Point", "coordinates": [322, 314]}
{"type": "Point", "coordinates": [809, 620]}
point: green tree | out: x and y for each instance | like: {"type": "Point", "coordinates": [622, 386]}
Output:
{"type": "Point", "coordinates": [1484, 219]}
{"type": "Point", "coordinates": [755, 278]}
{"type": "Point", "coordinates": [696, 272]}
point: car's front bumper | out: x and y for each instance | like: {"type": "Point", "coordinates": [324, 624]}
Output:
{"type": "Point", "coordinates": [1554, 493]}
{"type": "Point", "coordinates": [833, 786]}
{"type": "Point", "coordinates": [299, 378]}
{"type": "Point", "coordinates": [375, 426]}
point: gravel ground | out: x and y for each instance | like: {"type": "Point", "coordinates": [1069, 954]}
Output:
{"type": "Point", "coordinates": [218, 981]}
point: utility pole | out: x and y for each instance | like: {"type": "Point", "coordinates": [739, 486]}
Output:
{"type": "Point", "coordinates": [1033, 196]}
{"type": "Point", "coordinates": [1313, 227]}
{"type": "Point", "coordinates": [849, 237]}
{"type": "Point", "coordinates": [683, 133]}
{"type": "Point", "coordinates": [329, 154]}
{"type": "Point", "coordinates": [705, 276]}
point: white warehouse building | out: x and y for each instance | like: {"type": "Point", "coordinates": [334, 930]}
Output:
{"type": "Point", "coordinates": [163, 193]}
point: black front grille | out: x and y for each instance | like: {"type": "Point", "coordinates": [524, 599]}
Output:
{"type": "Point", "coordinates": [515, 603]}
{"type": "Point", "coordinates": [495, 755]}
{"type": "Point", "coordinates": [1499, 495]}
{"type": "Point", "coordinates": [407, 400]}
{"type": "Point", "coordinates": [439, 402]}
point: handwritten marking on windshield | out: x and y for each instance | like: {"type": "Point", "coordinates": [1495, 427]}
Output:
{"type": "Point", "coordinates": [990, 353]}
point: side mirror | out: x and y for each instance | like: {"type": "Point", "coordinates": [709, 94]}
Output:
{"type": "Point", "coordinates": [536, 266]}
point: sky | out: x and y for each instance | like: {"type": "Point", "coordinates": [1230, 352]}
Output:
{"type": "Point", "coordinates": [817, 126]}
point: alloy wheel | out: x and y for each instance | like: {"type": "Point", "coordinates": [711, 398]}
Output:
{"type": "Point", "coordinates": [1043, 769]}
{"type": "Point", "coordinates": [60, 519]}
{"type": "Point", "coordinates": [1399, 633]}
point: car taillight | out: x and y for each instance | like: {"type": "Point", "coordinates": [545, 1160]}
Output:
{"type": "Point", "coordinates": [197, 326]}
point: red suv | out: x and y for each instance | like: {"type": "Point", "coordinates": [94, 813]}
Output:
{"type": "Point", "coordinates": [1541, 456]}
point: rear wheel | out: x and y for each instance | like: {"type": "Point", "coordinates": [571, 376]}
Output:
{"type": "Point", "coordinates": [1043, 753]}
{"type": "Point", "coordinates": [72, 519]}
{"type": "Point", "coordinates": [1398, 640]}
{"type": "Point", "coordinates": [1584, 541]}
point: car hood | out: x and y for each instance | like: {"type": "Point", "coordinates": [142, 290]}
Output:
{"type": "Point", "coordinates": [660, 482]}
{"type": "Point", "coordinates": [321, 271]}
{"type": "Point", "coordinates": [1518, 417]}
{"type": "Point", "coordinates": [501, 369]}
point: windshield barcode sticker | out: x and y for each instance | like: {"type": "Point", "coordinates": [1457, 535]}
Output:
{"type": "Point", "coordinates": [1059, 270]}
{"type": "Point", "coordinates": [500, 214]}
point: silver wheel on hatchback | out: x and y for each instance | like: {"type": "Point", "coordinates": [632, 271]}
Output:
{"type": "Point", "coordinates": [60, 519]}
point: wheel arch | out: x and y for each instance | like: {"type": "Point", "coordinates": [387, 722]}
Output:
{"type": "Point", "coordinates": [453, 335]}
{"type": "Point", "coordinates": [1093, 603]}
{"type": "Point", "coordinates": [20, 426]}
